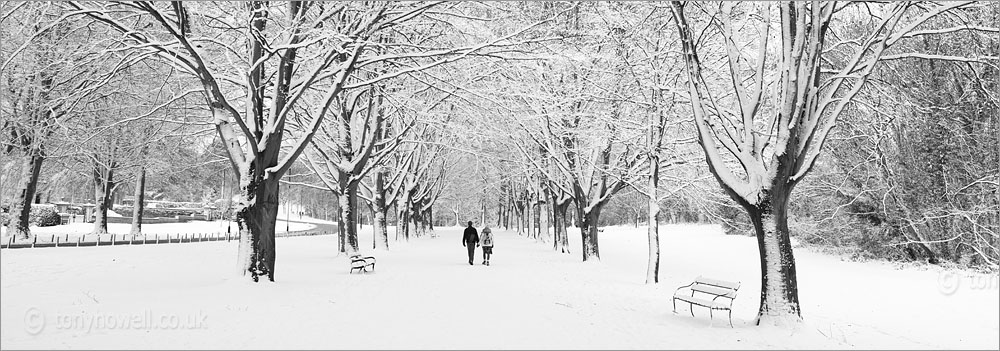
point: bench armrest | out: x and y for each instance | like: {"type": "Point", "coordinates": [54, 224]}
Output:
{"type": "Point", "coordinates": [679, 289]}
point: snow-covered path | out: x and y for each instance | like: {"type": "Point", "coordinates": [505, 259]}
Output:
{"type": "Point", "coordinates": [424, 295]}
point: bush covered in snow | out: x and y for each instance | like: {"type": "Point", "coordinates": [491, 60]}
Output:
{"type": "Point", "coordinates": [44, 216]}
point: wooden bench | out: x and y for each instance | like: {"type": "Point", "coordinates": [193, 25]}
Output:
{"type": "Point", "coordinates": [713, 288]}
{"type": "Point", "coordinates": [361, 263]}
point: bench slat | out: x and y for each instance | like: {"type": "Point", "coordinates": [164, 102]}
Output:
{"type": "Point", "coordinates": [718, 283]}
{"type": "Point", "coordinates": [714, 290]}
{"type": "Point", "coordinates": [715, 305]}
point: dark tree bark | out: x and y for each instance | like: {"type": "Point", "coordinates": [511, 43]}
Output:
{"type": "Point", "coordinates": [561, 239]}
{"type": "Point", "coordinates": [140, 198]}
{"type": "Point", "coordinates": [18, 227]}
{"type": "Point", "coordinates": [779, 283]}
{"type": "Point", "coordinates": [381, 233]}
{"type": "Point", "coordinates": [103, 186]}
{"type": "Point", "coordinates": [589, 231]}
{"type": "Point", "coordinates": [256, 220]}
{"type": "Point", "coordinates": [347, 223]}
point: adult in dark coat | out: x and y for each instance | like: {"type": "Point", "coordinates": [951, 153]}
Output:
{"type": "Point", "coordinates": [470, 240]}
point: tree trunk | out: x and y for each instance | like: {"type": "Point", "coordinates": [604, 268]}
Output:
{"type": "Point", "coordinates": [779, 297]}
{"type": "Point", "coordinates": [102, 197]}
{"type": "Point", "coordinates": [19, 228]}
{"type": "Point", "coordinates": [518, 218]}
{"type": "Point", "coordinates": [653, 264]}
{"type": "Point", "coordinates": [140, 197]}
{"type": "Point", "coordinates": [561, 242]}
{"type": "Point", "coordinates": [381, 233]}
{"type": "Point", "coordinates": [588, 233]}
{"type": "Point", "coordinates": [543, 221]}
{"type": "Point", "coordinates": [430, 218]}
{"type": "Point", "coordinates": [418, 222]}
{"type": "Point", "coordinates": [257, 213]}
{"type": "Point", "coordinates": [483, 220]}
{"type": "Point", "coordinates": [414, 219]}
{"type": "Point", "coordinates": [404, 219]}
{"type": "Point", "coordinates": [529, 225]}
{"type": "Point", "coordinates": [348, 200]}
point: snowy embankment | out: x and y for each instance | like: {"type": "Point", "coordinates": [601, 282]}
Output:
{"type": "Point", "coordinates": [424, 295]}
{"type": "Point", "coordinates": [72, 232]}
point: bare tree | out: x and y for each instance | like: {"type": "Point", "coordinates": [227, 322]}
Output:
{"type": "Point", "coordinates": [774, 141]}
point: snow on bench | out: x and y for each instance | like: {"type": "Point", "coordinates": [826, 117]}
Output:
{"type": "Point", "coordinates": [715, 289]}
{"type": "Point", "coordinates": [361, 263]}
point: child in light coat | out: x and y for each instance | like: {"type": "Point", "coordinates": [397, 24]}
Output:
{"type": "Point", "coordinates": [486, 241]}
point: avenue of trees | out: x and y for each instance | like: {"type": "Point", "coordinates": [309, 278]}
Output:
{"type": "Point", "coordinates": [866, 127]}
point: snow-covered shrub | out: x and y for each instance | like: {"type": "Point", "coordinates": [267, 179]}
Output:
{"type": "Point", "coordinates": [44, 216]}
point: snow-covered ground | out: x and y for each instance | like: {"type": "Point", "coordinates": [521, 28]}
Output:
{"type": "Point", "coordinates": [424, 295]}
{"type": "Point", "coordinates": [74, 230]}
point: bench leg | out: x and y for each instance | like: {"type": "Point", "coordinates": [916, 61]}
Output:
{"type": "Point", "coordinates": [730, 318]}
{"type": "Point", "coordinates": [692, 304]}
{"type": "Point", "coordinates": [711, 317]}
{"type": "Point", "coordinates": [675, 304]}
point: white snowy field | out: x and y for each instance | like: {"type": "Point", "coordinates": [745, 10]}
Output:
{"type": "Point", "coordinates": [424, 295]}
{"type": "Point", "coordinates": [74, 230]}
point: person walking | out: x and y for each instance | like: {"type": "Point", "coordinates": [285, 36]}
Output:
{"type": "Point", "coordinates": [470, 240]}
{"type": "Point", "coordinates": [486, 240]}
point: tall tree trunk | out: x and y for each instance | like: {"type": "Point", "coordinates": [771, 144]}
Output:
{"type": "Point", "coordinates": [348, 200]}
{"type": "Point", "coordinates": [588, 233]}
{"type": "Point", "coordinates": [779, 298]}
{"type": "Point", "coordinates": [103, 181]}
{"type": "Point", "coordinates": [519, 218]}
{"type": "Point", "coordinates": [256, 215]}
{"type": "Point", "coordinates": [19, 228]}
{"type": "Point", "coordinates": [414, 219]}
{"type": "Point", "coordinates": [528, 216]}
{"type": "Point", "coordinates": [430, 218]}
{"type": "Point", "coordinates": [381, 233]}
{"type": "Point", "coordinates": [405, 220]}
{"type": "Point", "coordinates": [561, 242]}
{"type": "Point", "coordinates": [543, 221]}
{"type": "Point", "coordinates": [398, 212]}
{"type": "Point", "coordinates": [653, 264]}
{"type": "Point", "coordinates": [537, 215]}
{"type": "Point", "coordinates": [500, 214]}
{"type": "Point", "coordinates": [140, 197]}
